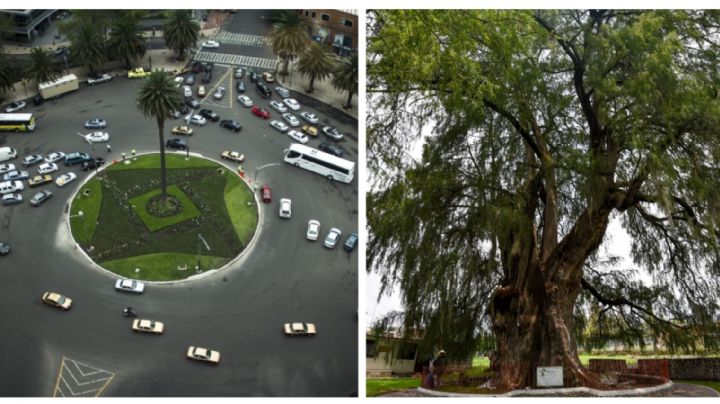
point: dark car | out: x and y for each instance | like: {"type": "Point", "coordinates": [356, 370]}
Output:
{"type": "Point", "coordinates": [350, 242]}
{"type": "Point", "coordinates": [266, 193]}
{"type": "Point", "coordinates": [253, 77]}
{"type": "Point", "coordinates": [209, 66]}
{"type": "Point", "coordinates": [176, 143]}
{"type": "Point", "coordinates": [40, 198]}
{"type": "Point", "coordinates": [183, 109]}
{"type": "Point", "coordinates": [4, 249]}
{"type": "Point", "coordinates": [190, 79]}
{"type": "Point", "coordinates": [76, 158]}
{"type": "Point", "coordinates": [37, 100]}
{"type": "Point", "coordinates": [89, 165]}
{"type": "Point", "coordinates": [197, 67]}
{"type": "Point", "coordinates": [209, 114]}
{"type": "Point", "coordinates": [263, 90]}
{"type": "Point", "coordinates": [241, 86]}
{"type": "Point", "coordinates": [230, 124]}
{"type": "Point", "coordinates": [192, 103]}
{"type": "Point", "coordinates": [332, 149]}
{"type": "Point", "coordinates": [207, 77]}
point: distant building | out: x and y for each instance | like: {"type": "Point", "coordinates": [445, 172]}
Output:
{"type": "Point", "coordinates": [390, 355]}
{"type": "Point", "coordinates": [336, 28]}
{"type": "Point", "coordinates": [26, 25]}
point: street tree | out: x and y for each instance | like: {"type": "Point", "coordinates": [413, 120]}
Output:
{"type": "Point", "coordinates": [41, 67]}
{"type": "Point", "coordinates": [539, 129]}
{"type": "Point", "coordinates": [158, 98]}
{"type": "Point", "coordinates": [345, 77]}
{"type": "Point", "coordinates": [289, 36]}
{"type": "Point", "coordinates": [126, 42]}
{"type": "Point", "coordinates": [316, 64]}
{"type": "Point", "coordinates": [181, 31]}
{"type": "Point", "coordinates": [88, 45]}
{"type": "Point", "coordinates": [7, 74]}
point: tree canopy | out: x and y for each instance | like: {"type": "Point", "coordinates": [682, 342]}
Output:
{"type": "Point", "coordinates": [538, 128]}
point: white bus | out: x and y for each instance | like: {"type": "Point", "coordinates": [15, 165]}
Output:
{"type": "Point", "coordinates": [325, 164]}
{"type": "Point", "coordinates": [17, 122]}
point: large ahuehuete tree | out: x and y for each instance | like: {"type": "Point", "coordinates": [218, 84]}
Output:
{"type": "Point", "coordinates": [316, 63]}
{"type": "Point", "coordinates": [289, 36]}
{"type": "Point", "coordinates": [41, 67]}
{"type": "Point", "coordinates": [345, 77]}
{"type": "Point", "coordinates": [538, 129]}
{"type": "Point", "coordinates": [181, 31]}
{"type": "Point", "coordinates": [158, 98]}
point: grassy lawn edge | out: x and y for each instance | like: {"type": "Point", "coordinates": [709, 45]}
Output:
{"type": "Point", "coordinates": [244, 221]}
{"type": "Point", "coordinates": [377, 387]}
{"type": "Point", "coordinates": [83, 228]}
{"type": "Point", "coordinates": [161, 266]}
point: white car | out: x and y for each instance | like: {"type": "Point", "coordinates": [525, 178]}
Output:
{"type": "Point", "coordinates": [310, 117]}
{"type": "Point", "coordinates": [292, 103]}
{"type": "Point", "coordinates": [97, 137]}
{"type": "Point", "coordinates": [278, 106]}
{"type": "Point", "coordinates": [279, 126]}
{"type": "Point", "coordinates": [187, 91]}
{"type": "Point", "coordinates": [129, 285]}
{"type": "Point", "coordinates": [219, 93]}
{"type": "Point", "coordinates": [297, 136]}
{"type": "Point", "coordinates": [245, 101]}
{"type": "Point", "coordinates": [211, 44]}
{"type": "Point", "coordinates": [148, 326]}
{"type": "Point", "coordinates": [65, 179]}
{"type": "Point", "coordinates": [313, 230]}
{"type": "Point", "coordinates": [291, 119]}
{"type": "Point", "coordinates": [203, 354]}
{"type": "Point", "coordinates": [96, 123]}
{"type": "Point", "coordinates": [15, 106]}
{"type": "Point", "coordinates": [332, 238]}
{"type": "Point", "coordinates": [195, 120]}
{"type": "Point", "coordinates": [179, 81]}
{"type": "Point", "coordinates": [285, 208]}
{"type": "Point", "coordinates": [4, 168]}
{"type": "Point", "coordinates": [300, 329]}
{"type": "Point", "coordinates": [54, 157]}
{"type": "Point", "coordinates": [10, 187]}
{"type": "Point", "coordinates": [47, 168]}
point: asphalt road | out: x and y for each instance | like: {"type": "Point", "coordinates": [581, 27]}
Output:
{"type": "Point", "coordinates": [238, 311]}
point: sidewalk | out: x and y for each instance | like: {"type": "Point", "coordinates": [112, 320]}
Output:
{"type": "Point", "coordinates": [324, 91]}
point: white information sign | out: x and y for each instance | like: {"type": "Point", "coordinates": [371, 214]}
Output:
{"type": "Point", "coordinates": [550, 376]}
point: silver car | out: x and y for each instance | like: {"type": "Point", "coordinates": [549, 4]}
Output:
{"type": "Point", "coordinates": [291, 119]}
{"type": "Point", "coordinates": [129, 285]}
{"type": "Point", "coordinates": [278, 106]}
{"type": "Point", "coordinates": [279, 126]}
{"type": "Point", "coordinates": [219, 93]}
{"type": "Point", "coordinates": [310, 117]}
{"type": "Point", "coordinates": [282, 92]}
{"type": "Point", "coordinates": [332, 238]}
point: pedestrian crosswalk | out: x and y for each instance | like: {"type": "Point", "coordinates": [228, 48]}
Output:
{"type": "Point", "coordinates": [242, 39]}
{"type": "Point", "coordinates": [236, 60]}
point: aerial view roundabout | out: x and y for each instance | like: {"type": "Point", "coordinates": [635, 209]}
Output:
{"type": "Point", "coordinates": [222, 265]}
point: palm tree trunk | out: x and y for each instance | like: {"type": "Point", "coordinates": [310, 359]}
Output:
{"type": "Point", "coordinates": [350, 95]}
{"type": "Point", "coordinates": [285, 66]}
{"type": "Point", "coordinates": [312, 84]}
{"type": "Point", "coordinates": [163, 173]}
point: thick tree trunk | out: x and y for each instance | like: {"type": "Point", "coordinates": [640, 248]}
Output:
{"type": "Point", "coordinates": [163, 173]}
{"type": "Point", "coordinates": [311, 88]}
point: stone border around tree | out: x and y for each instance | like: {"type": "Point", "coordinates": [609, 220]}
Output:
{"type": "Point", "coordinates": [559, 391]}
{"type": "Point", "coordinates": [208, 273]}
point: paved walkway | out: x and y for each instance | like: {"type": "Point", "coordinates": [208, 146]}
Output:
{"type": "Point", "coordinates": [677, 390]}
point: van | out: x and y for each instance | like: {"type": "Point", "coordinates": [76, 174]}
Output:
{"type": "Point", "coordinates": [7, 153]}
{"type": "Point", "coordinates": [263, 90]}
{"type": "Point", "coordinates": [9, 187]}
{"type": "Point", "coordinates": [76, 158]}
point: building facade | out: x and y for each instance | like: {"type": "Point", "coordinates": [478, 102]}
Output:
{"type": "Point", "coordinates": [26, 25]}
{"type": "Point", "coordinates": [335, 28]}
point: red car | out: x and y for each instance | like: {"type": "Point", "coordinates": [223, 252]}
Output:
{"type": "Point", "coordinates": [266, 195]}
{"type": "Point", "coordinates": [262, 113]}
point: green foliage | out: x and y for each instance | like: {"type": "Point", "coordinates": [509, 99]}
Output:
{"type": "Point", "coordinates": [162, 266]}
{"type": "Point", "coordinates": [153, 223]}
{"type": "Point", "coordinates": [238, 202]}
{"type": "Point", "coordinates": [316, 63]}
{"type": "Point", "coordinates": [88, 47]}
{"type": "Point", "coordinates": [289, 36]}
{"type": "Point", "coordinates": [42, 67]}
{"type": "Point", "coordinates": [83, 228]}
{"type": "Point", "coordinates": [125, 41]}
{"type": "Point", "coordinates": [345, 76]}
{"type": "Point", "coordinates": [378, 387]}
{"type": "Point", "coordinates": [153, 162]}
{"type": "Point", "coordinates": [614, 114]}
{"type": "Point", "coordinates": [181, 31]}
{"type": "Point", "coordinates": [7, 74]}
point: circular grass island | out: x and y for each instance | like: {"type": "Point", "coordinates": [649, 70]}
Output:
{"type": "Point", "coordinates": [125, 226]}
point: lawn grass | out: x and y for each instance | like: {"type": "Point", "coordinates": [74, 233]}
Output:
{"type": "Point", "coordinates": [376, 387]}
{"type": "Point", "coordinates": [152, 161]}
{"type": "Point", "coordinates": [154, 223]}
{"type": "Point", "coordinates": [715, 385]}
{"type": "Point", "coordinates": [238, 198]}
{"type": "Point", "coordinates": [162, 266]}
{"type": "Point", "coordinates": [83, 228]}
{"type": "Point", "coordinates": [482, 362]}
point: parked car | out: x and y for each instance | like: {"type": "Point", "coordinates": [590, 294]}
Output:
{"type": "Point", "coordinates": [207, 77]}
{"type": "Point", "coordinates": [182, 130]}
{"type": "Point", "coordinates": [16, 176]}
{"type": "Point", "coordinates": [332, 149]}
{"type": "Point", "coordinates": [332, 133]}
{"type": "Point", "coordinates": [263, 90]}
{"type": "Point", "coordinates": [192, 103]}
{"type": "Point", "coordinates": [240, 86]}
{"type": "Point", "coordinates": [332, 237]}
{"type": "Point", "coordinates": [280, 126]}
{"type": "Point", "coordinates": [292, 103]}
{"type": "Point", "coordinates": [32, 159]}
{"type": "Point", "coordinates": [148, 326]}
{"type": "Point", "coordinates": [197, 67]}
{"type": "Point", "coordinates": [266, 193]}
{"type": "Point", "coordinates": [230, 124]}
{"type": "Point", "coordinates": [54, 157]}
{"type": "Point", "coordinates": [47, 168]}
{"type": "Point", "coordinates": [176, 143]}
{"type": "Point", "coordinates": [351, 242]}
{"type": "Point", "coordinates": [297, 136]}
{"type": "Point", "coordinates": [203, 354]}
{"type": "Point", "coordinates": [285, 208]}
{"type": "Point", "coordinates": [40, 198]}
{"type": "Point", "coordinates": [15, 106]}
{"type": "Point", "coordinates": [129, 285]}
{"type": "Point", "coordinates": [233, 156]}
{"type": "Point", "coordinates": [98, 78]}
{"type": "Point", "coordinates": [137, 73]}
{"type": "Point", "coordinates": [209, 114]}
{"type": "Point", "coordinates": [262, 113]}
{"type": "Point", "coordinates": [268, 77]}
{"type": "Point", "coordinates": [310, 130]}
{"type": "Point", "coordinates": [219, 93]}
{"type": "Point", "coordinates": [97, 137]}
{"type": "Point", "coordinates": [11, 199]}
{"type": "Point", "coordinates": [313, 230]}
{"type": "Point", "coordinates": [10, 187]}
{"type": "Point", "coordinates": [211, 44]}
{"type": "Point", "coordinates": [57, 300]}
{"type": "Point", "coordinates": [96, 123]}
{"type": "Point", "coordinates": [201, 91]}
{"type": "Point", "coordinates": [65, 179]}
{"type": "Point", "coordinates": [253, 77]}
{"type": "Point", "coordinates": [179, 81]}
{"type": "Point", "coordinates": [309, 117]}
{"type": "Point", "coordinates": [282, 92]}
{"type": "Point", "coordinates": [92, 164]}
{"type": "Point", "coordinates": [239, 72]}
{"type": "Point", "coordinates": [278, 106]}
{"type": "Point", "coordinates": [195, 120]}
{"type": "Point", "coordinates": [190, 79]}
{"type": "Point", "coordinates": [6, 167]}
{"type": "Point", "coordinates": [291, 119]}
{"type": "Point", "coordinates": [245, 101]}
{"type": "Point", "coordinates": [300, 329]}
{"type": "Point", "coordinates": [187, 91]}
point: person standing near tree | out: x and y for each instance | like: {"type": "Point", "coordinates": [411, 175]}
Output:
{"type": "Point", "coordinates": [438, 366]}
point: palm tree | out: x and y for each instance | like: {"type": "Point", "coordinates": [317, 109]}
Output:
{"type": "Point", "coordinates": [345, 76]}
{"type": "Point", "coordinates": [7, 75]}
{"type": "Point", "coordinates": [158, 98]}
{"type": "Point", "coordinates": [88, 45]}
{"type": "Point", "coordinates": [126, 42]}
{"type": "Point", "coordinates": [41, 67]}
{"type": "Point", "coordinates": [316, 64]}
{"type": "Point", "coordinates": [181, 32]}
{"type": "Point", "coordinates": [289, 37]}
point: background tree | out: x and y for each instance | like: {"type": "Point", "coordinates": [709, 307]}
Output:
{"type": "Point", "coordinates": [126, 42]}
{"type": "Point", "coordinates": [316, 64]}
{"type": "Point", "coordinates": [545, 126]}
{"type": "Point", "coordinates": [41, 67]}
{"type": "Point", "coordinates": [158, 98]}
{"type": "Point", "coordinates": [88, 45]}
{"type": "Point", "coordinates": [289, 36]}
{"type": "Point", "coordinates": [7, 74]}
{"type": "Point", "coordinates": [181, 31]}
{"type": "Point", "coordinates": [345, 77]}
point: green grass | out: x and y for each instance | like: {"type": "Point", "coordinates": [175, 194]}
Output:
{"type": "Point", "coordinates": [83, 228]}
{"type": "Point", "coordinates": [155, 223]}
{"type": "Point", "coordinates": [162, 266]}
{"type": "Point", "coordinates": [152, 161]}
{"type": "Point", "coordinates": [244, 220]}
{"type": "Point", "coordinates": [707, 383]}
{"type": "Point", "coordinates": [376, 387]}
{"type": "Point", "coordinates": [482, 362]}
